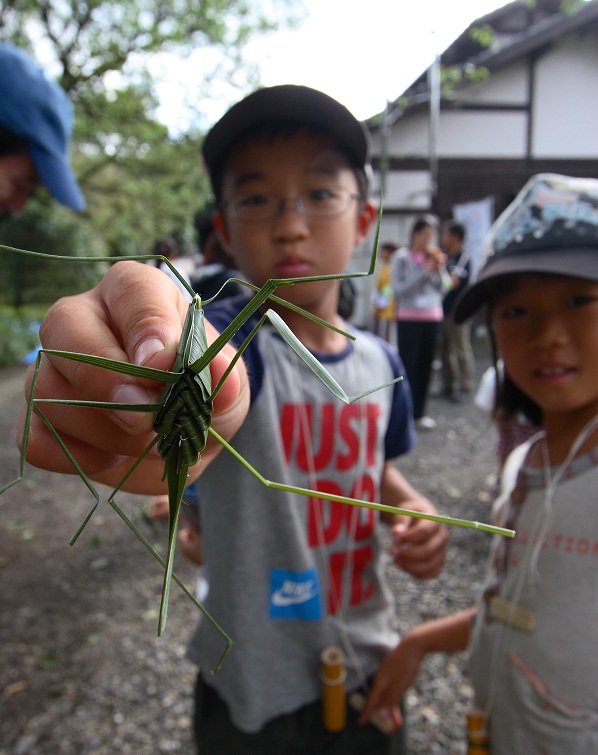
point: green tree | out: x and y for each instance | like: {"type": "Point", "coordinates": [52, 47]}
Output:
{"type": "Point", "coordinates": [93, 38]}
{"type": "Point", "coordinates": [139, 181]}
{"type": "Point", "coordinates": [46, 227]}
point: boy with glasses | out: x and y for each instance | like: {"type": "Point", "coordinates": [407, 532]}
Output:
{"type": "Point", "coordinates": [289, 169]}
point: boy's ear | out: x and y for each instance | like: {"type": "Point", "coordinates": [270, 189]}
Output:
{"type": "Point", "coordinates": [367, 216]}
{"type": "Point", "coordinates": [221, 231]}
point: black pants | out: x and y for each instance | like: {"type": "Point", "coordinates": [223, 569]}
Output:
{"type": "Point", "coordinates": [298, 733]}
{"type": "Point", "coordinates": [417, 346]}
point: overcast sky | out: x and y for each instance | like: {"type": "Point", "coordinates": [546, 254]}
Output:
{"type": "Point", "coordinates": [361, 59]}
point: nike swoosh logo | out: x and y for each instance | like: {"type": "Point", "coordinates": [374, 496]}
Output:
{"type": "Point", "coordinates": [285, 597]}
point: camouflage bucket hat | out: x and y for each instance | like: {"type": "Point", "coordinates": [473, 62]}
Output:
{"type": "Point", "coordinates": [550, 227]}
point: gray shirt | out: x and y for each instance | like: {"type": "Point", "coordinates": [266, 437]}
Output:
{"type": "Point", "coordinates": [288, 574]}
{"type": "Point", "coordinates": [540, 686]}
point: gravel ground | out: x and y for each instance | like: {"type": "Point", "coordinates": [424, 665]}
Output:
{"type": "Point", "coordinates": [81, 669]}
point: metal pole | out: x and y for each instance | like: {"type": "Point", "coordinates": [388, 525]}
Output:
{"type": "Point", "coordinates": [434, 88]}
{"type": "Point", "coordinates": [384, 137]}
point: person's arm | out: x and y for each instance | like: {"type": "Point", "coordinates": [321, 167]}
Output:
{"type": "Point", "coordinates": [419, 546]}
{"type": "Point", "coordinates": [134, 314]}
{"type": "Point", "coordinates": [401, 666]}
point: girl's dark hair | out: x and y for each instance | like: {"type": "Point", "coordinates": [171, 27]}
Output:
{"type": "Point", "coordinates": [286, 129]}
{"type": "Point", "coordinates": [10, 143]}
{"type": "Point", "coordinates": [427, 221]}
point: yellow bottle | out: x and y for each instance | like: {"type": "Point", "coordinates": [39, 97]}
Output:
{"type": "Point", "coordinates": [478, 739]}
{"type": "Point", "coordinates": [334, 700]}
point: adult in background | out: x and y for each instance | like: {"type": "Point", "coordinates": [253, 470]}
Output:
{"type": "Point", "coordinates": [418, 279]}
{"type": "Point", "coordinates": [35, 132]}
{"type": "Point", "coordinates": [455, 344]}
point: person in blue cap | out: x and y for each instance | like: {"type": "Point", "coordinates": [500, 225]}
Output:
{"type": "Point", "coordinates": [35, 131]}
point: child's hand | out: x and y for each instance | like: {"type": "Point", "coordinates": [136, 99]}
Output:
{"type": "Point", "coordinates": [419, 546]}
{"type": "Point", "coordinates": [134, 314]}
{"type": "Point", "coordinates": [399, 669]}
{"type": "Point", "coordinates": [394, 677]}
{"type": "Point", "coordinates": [435, 260]}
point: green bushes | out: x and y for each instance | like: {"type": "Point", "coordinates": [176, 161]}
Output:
{"type": "Point", "coordinates": [45, 227]}
{"type": "Point", "coordinates": [18, 335]}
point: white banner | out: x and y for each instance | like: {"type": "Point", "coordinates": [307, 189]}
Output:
{"type": "Point", "coordinates": [477, 217]}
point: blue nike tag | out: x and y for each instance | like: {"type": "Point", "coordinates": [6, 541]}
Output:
{"type": "Point", "coordinates": [295, 595]}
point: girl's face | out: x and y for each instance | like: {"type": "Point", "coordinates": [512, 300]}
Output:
{"type": "Point", "coordinates": [421, 240]}
{"type": "Point", "coordinates": [546, 330]}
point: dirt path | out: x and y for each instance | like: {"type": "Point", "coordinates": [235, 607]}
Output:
{"type": "Point", "coordinates": [11, 384]}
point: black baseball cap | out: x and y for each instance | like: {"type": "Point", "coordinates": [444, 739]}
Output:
{"type": "Point", "coordinates": [550, 227]}
{"type": "Point", "coordinates": [292, 103]}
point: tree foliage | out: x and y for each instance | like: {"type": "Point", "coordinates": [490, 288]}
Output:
{"type": "Point", "coordinates": [95, 37]}
{"type": "Point", "coordinates": [139, 181]}
{"type": "Point", "coordinates": [53, 230]}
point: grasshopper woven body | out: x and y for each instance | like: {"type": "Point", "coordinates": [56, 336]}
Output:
{"type": "Point", "coordinates": [184, 419]}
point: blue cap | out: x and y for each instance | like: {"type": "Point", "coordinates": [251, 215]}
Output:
{"type": "Point", "coordinates": [38, 111]}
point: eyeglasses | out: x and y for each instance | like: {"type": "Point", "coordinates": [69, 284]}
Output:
{"type": "Point", "coordinates": [316, 204]}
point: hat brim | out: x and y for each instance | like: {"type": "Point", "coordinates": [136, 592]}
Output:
{"type": "Point", "coordinates": [57, 177]}
{"type": "Point", "coordinates": [579, 262]}
{"type": "Point", "coordinates": [286, 102]}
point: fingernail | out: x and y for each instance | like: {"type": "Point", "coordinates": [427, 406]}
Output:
{"type": "Point", "coordinates": [147, 349]}
{"type": "Point", "coordinates": [130, 394]}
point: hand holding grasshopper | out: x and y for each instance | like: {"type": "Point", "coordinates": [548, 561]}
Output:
{"type": "Point", "coordinates": [144, 329]}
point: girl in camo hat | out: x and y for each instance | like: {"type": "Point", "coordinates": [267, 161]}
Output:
{"type": "Point", "coordinates": [533, 635]}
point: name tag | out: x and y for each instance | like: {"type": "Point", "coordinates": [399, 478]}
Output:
{"type": "Point", "coordinates": [512, 614]}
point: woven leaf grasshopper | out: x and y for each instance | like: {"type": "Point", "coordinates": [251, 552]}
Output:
{"type": "Point", "coordinates": [183, 413]}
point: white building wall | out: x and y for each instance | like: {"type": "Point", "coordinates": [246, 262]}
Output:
{"type": "Point", "coordinates": [485, 134]}
{"type": "Point", "coordinates": [564, 122]}
{"type": "Point", "coordinates": [407, 188]}
{"type": "Point", "coordinates": [506, 87]}
{"type": "Point", "coordinates": [410, 135]}
{"type": "Point", "coordinates": [565, 115]}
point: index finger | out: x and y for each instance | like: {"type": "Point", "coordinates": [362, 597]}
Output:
{"type": "Point", "coordinates": [416, 531]}
{"type": "Point", "coordinates": [134, 314]}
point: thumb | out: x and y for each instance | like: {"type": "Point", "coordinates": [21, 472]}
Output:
{"type": "Point", "coordinates": [134, 314]}
{"type": "Point", "coordinates": [146, 312]}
